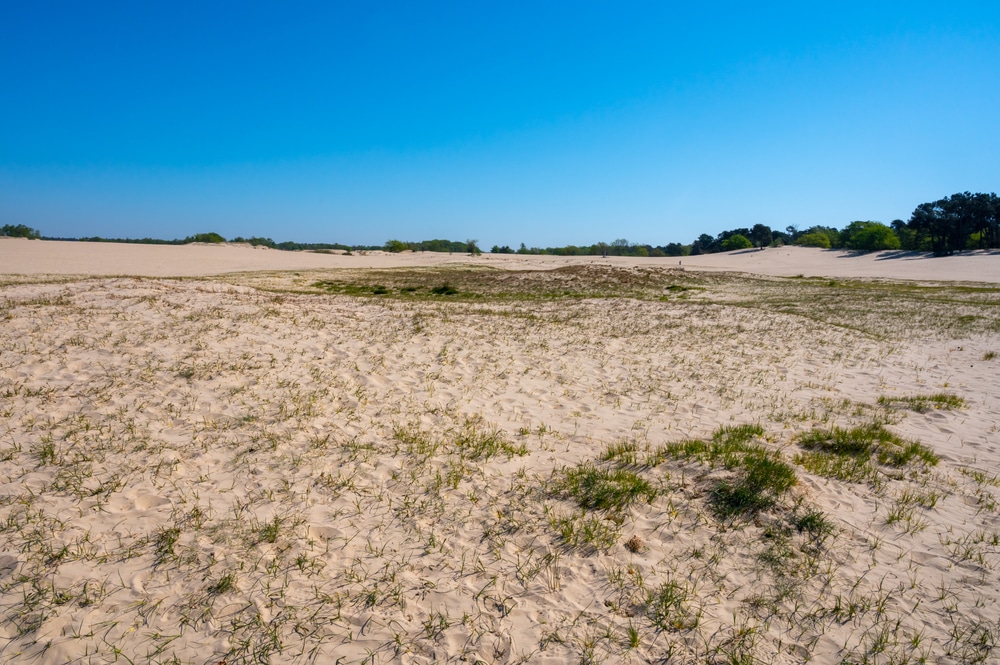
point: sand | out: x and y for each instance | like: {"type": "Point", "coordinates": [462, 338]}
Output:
{"type": "Point", "coordinates": [247, 468]}
{"type": "Point", "coordinates": [29, 257]}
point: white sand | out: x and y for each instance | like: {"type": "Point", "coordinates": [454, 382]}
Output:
{"type": "Point", "coordinates": [25, 257]}
{"type": "Point", "coordinates": [208, 472]}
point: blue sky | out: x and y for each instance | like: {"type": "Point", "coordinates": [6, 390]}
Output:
{"type": "Point", "coordinates": [542, 123]}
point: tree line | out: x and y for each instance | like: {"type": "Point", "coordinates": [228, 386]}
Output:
{"type": "Point", "coordinates": [952, 224]}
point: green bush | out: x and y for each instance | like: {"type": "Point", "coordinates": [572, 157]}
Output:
{"type": "Point", "coordinates": [814, 239]}
{"type": "Point", "coordinates": [737, 241]}
{"type": "Point", "coordinates": [204, 237]}
{"type": "Point", "coordinates": [19, 231]}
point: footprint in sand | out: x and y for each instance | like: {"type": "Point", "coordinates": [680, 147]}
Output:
{"type": "Point", "coordinates": [320, 532]}
{"type": "Point", "coordinates": [147, 501]}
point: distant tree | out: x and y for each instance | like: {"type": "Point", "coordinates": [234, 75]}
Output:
{"type": "Point", "coordinates": [761, 235]}
{"type": "Point", "coordinates": [870, 236]}
{"type": "Point", "coordinates": [737, 241]}
{"type": "Point", "coordinates": [813, 239]}
{"type": "Point", "coordinates": [204, 237]}
{"type": "Point", "coordinates": [472, 247]}
{"type": "Point", "coordinates": [501, 250]}
{"type": "Point", "coordinates": [957, 222]}
{"type": "Point", "coordinates": [395, 246]}
{"type": "Point", "coordinates": [19, 231]}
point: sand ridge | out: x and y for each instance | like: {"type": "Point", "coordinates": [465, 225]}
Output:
{"type": "Point", "coordinates": [26, 257]}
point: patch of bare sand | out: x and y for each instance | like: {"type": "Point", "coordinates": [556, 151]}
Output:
{"type": "Point", "coordinates": [209, 473]}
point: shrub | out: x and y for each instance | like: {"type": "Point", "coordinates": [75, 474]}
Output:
{"type": "Point", "coordinates": [19, 231]}
{"type": "Point", "coordinates": [814, 239]}
{"type": "Point", "coordinates": [737, 241]}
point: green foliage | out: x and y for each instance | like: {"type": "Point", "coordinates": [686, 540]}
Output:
{"type": "Point", "coordinates": [852, 455]}
{"type": "Point", "coordinates": [924, 403]}
{"type": "Point", "coordinates": [204, 237]}
{"type": "Point", "coordinates": [869, 236]}
{"type": "Point", "coordinates": [761, 480]}
{"type": "Point", "coordinates": [19, 231]}
{"type": "Point", "coordinates": [395, 246]}
{"type": "Point", "coordinates": [734, 242]}
{"type": "Point", "coordinates": [225, 584]}
{"type": "Point", "coordinates": [590, 533]}
{"type": "Point", "coordinates": [957, 222]}
{"type": "Point", "coordinates": [479, 441]}
{"type": "Point", "coordinates": [813, 522]}
{"type": "Point", "coordinates": [163, 544]}
{"type": "Point", "coordinates": [444, 290]}
{"type": "Point", "coordinates": [668, 608]}
{"type": "Point", "coordinates": [594, 488]}
{"type": "Point", "coordinates": [814, 239]}
{"type": "Point", "coordinates": [269, 531]}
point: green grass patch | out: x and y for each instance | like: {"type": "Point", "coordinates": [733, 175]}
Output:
{"type": "Point", "coordinates": [854, 455]}
{"type": "Point", "coordinates": [479, 441]}
{"type": "Point", "coordinates": [589, 533]}
{"type": "Point", "coordinates": [669, 609]}
{"type": "Point", "coordinates": [595, 488]}
{"type": "Point", "coordinates": [923, 403]}
{"type": "Point", "coordinates": [760, 481]}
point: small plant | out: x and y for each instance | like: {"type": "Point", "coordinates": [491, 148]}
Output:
{"type": "Point", "coordinates": [478, 442]}
{"type": "Point", "coordinates": [813, 522]}
{"type": "Point", "coordinates": [989, 355]}
{"type": "Point", "coordinates": [668, 607]}
{"type": "Point", "coordinates": [163, 544]}
{"type": "Point", "coordinates": [225, 584]}
{"type": "Point", "coordinates": [923, 403]}
{"type": "Point", "coordinates": [851, 454]}
{"type": "Point", "coordinates": [444, 290]}
{"type": "Point", "coordinates": [588, 533]}
{"type": "Point", "coordinates": [761, 481]}
{"type": "Point", "coordinates": [269, 531]}
{"type": "Point", "coordinates": [594, 488]}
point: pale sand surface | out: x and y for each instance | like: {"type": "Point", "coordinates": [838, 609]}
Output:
{"type": "Point", "coordinates": [205, 471]}
{"type": "Point", "coordinates": [26, 257]}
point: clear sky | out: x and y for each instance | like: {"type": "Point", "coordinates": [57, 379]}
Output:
{"type": "Point", "coordinates": [538, 122]}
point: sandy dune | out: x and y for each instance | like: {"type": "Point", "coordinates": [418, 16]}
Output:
{"type": "Point", "coordinates": [259, 468]}
{"type": "Point", "coordinates": [26, 257]}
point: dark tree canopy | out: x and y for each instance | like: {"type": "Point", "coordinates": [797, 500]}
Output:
{"type": "Point", "coordinates": [19, 231]}
{"type": "Point", "coordinates": [956, 222]}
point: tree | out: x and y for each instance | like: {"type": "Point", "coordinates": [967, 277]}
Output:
{"type": "Point", "coordinates": [472, 246]}
{"type": "Point", "coordinates": [761, 235]}
{"type": "Point", "coordinates": [870, 236]}
{"type": "Point", "coordinates": [19, 231]}
{"type": "Point", "coordinates": [813, 239]}
{"type": "Point", "coordinates": [957, 222]}
{"type": "Point", "coordinates": [737, 241]}
{"type": "Point", "coordinates": [395, 246]}
{"type": "Point", "coordinates": [204, 237]}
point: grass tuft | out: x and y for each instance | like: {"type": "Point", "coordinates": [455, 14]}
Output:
{"type": "Point", "coordinates": [594, 488]}
{"type": "Point", "coordinates": [851, 455]}
{"type": "Point", "coordinates": [923, 403]}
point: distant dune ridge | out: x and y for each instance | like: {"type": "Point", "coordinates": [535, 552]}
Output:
{"type": "Point", "coordinates": [404, 458]}
{"type": "Point", "coordinates": [19, 256]}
